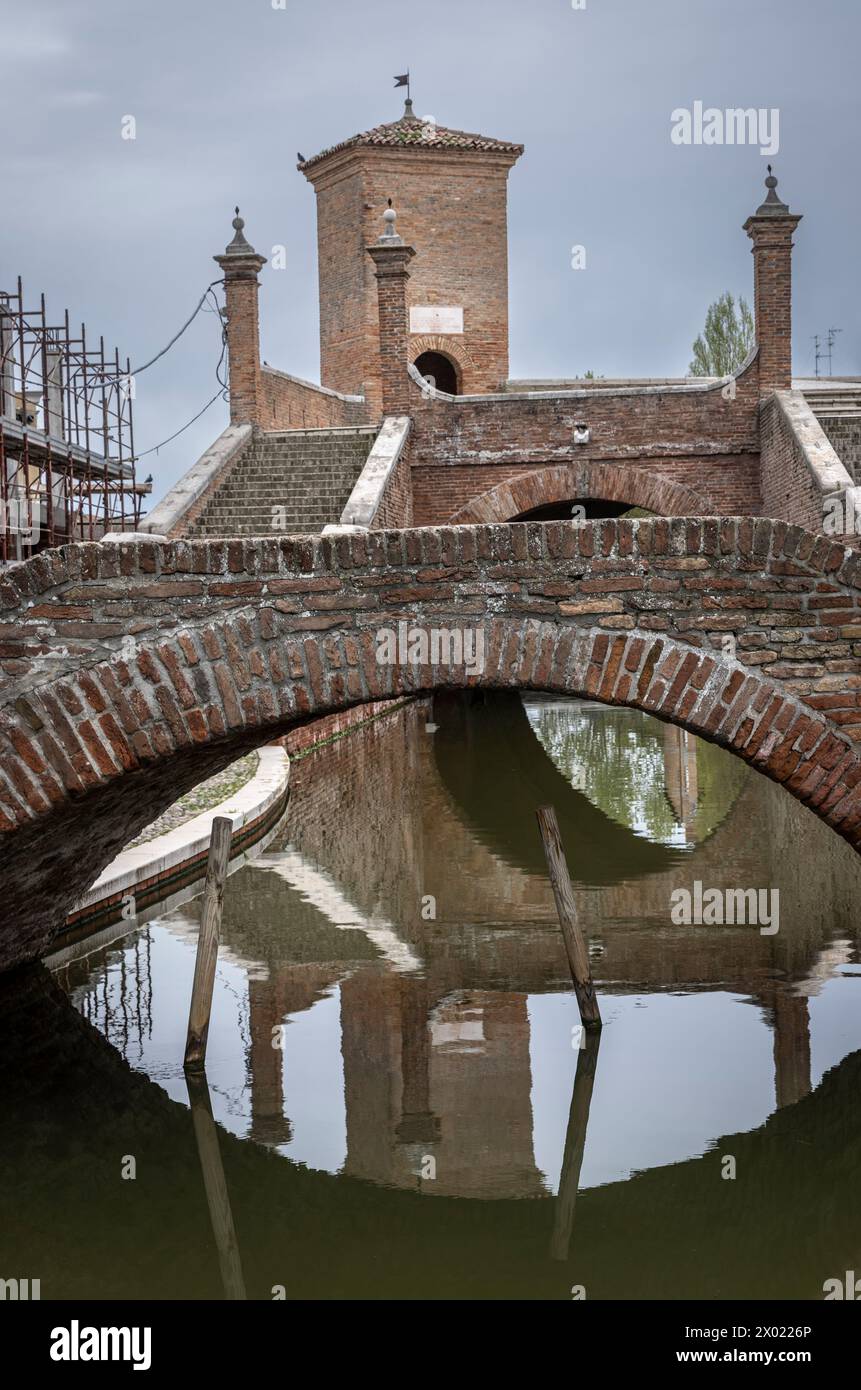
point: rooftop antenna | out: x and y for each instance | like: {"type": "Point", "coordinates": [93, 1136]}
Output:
{"type": "Point", "coordinates": [832, 334]}
{"type": "Point", "coordinates": [818, 358]}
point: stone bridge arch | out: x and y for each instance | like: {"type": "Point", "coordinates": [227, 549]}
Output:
{"type": "Point", "coordinates": [132, 671]}
{"type": "Point", "coordinates": [611, 482]}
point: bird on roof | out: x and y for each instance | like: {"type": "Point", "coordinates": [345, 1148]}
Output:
{"type": "Point", "coordinates": [301, 158]}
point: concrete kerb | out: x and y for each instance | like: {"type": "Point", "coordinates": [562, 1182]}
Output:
{"type": "Point", "coordinates": [166, 854]}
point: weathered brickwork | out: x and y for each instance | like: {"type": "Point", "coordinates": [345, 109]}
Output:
{"type": "Point", "coordinates": [612, 482]}
{"type": "Point", "coordinates": [392, 276]}
{"type": "Point", "coordinates": [452, 207]}
{"type": "Point", "coordinates": [694, 437]}
{"type": "Point", "coordinates": [396, 506]}
{"type": "Point", "coordinates": [845, 435]}
{"type": "Point", "coordinates": [132, 671]}
{"type": "Point", "coordinates": [241, 266]}
{"type": "Point", "coordinates": [287, 403]}
{"type": "Point", "coordinates": [332, 726]}
{"type": "Point", "coordinates": [788, 484]}
{"type": "Point", "coordinates": [771, 230]}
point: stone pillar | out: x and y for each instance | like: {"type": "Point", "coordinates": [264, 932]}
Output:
{"type": "Point", "coordinates": [770, 229]}
{"type": "Point", "coordinates": [391, 258]}
{"type": "Point", "coordinates": [242, 265]}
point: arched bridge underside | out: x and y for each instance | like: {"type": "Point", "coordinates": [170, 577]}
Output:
{"type": "Point", "coordinates": [131, 671]}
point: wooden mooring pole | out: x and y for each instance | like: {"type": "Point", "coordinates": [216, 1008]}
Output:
{"type": "Point", "coordinates": [207, 944]}
{"type": "Point", "coordinates": [575, 1144]}
{"type": "Point", "coordinates": [215, 1185]}
{"type": "Point", "coordinates": [566, 907]}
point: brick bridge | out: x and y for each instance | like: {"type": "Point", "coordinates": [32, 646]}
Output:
{"type": "Point", "coordinates": [130, 671]}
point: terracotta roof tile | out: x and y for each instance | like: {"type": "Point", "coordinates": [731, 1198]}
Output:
{"type": "Point", "coordinates": [411, 132]}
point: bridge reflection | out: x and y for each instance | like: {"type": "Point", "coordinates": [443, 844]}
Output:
{"type": "Point", "coordinates": [437, 1047]}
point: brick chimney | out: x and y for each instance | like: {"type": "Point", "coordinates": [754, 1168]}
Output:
{"type": "Point", "coordinates": [391, 257]}
{"type": "Point", "coordinates": [242, 265]}
{"type": "Point", "coordinates": [770, 229]}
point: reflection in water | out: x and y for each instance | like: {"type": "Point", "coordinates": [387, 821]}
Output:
{"type": "Point", "coordinates": [393, 1024]}
{"type": "Point", "coordinates": [658, 780]}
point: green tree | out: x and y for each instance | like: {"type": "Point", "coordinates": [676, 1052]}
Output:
{"type": "Point", "coordinates": [726, 339]}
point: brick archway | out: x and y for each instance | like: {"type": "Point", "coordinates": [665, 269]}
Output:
{"type": "Point", "coordinates": [131, 672]}
{"type": "Point", "coordinates": [612, 482]}
{"type": "Point", "coordinates": [452, 348]}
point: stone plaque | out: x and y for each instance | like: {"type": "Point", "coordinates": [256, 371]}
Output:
{"type": "Point", "coordinates": [436, 318]}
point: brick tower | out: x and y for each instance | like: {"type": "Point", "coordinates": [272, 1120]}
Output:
{"type": "Point", "coordinates": [450, 190]}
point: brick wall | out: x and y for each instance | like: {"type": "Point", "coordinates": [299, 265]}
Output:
{"type": "Point", "coordinates": [694, 437]}
{"type": "Point", "coordinates": [396, 505]}
{"type": "Point", "coordinates": [788, 485]}
{"type": "Point", "coordinates": [645, 488]}
{"type": "Point", "coordinates": [288, 403]}
{"type": "Point", "coordinates": [845, 435]}
{"type": "Point", "coordinates": [331, 726]}
{"type": "Point", "coordinates": [392, 277]}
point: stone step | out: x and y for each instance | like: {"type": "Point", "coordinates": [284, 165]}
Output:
{"type": "Point", "coordinates": [285, 479]}
{"type": "Point", "coordinates": [259, 504]}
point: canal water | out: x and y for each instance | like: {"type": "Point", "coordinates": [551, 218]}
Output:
{"type": "Point", "coordinates": [399, 1103]}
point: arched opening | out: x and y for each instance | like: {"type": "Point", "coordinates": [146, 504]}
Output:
{"type": "Point", "coordinates": [580, 508]}
{"type": "Point", "coordinates": [604, 489]}
{"type": "Point", "coordinates": [441, 371]}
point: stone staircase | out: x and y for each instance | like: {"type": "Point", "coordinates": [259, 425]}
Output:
{"type": "Point", "coordinates": [837, 407]}
{"type": "Point", "coordinates": [289, 482]}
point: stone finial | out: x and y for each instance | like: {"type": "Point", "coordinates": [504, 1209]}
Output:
{"type": "Point", "coordinates": [409, 114]}
{"type": "Point", "coordinates": [390, 235]}
{"type": "Point", "coordinates": [772, 207]}
{"type": "Point", "coordinates": [239, 246]}
{"type": "Point", "coordinates": [239, 260]}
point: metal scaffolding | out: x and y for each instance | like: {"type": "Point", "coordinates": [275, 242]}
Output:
{"type": "Point", "coordinates": [67, 460]}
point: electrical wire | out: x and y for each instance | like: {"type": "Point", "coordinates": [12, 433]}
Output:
{"type": "Point", "coordinates": [221, 393]}
{"type": "Point", "coordinates": [136, 371]}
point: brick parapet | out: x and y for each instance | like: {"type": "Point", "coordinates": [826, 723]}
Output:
{"type": "Point", "coordinates": [287, 402]}
{"type": "Point", "coordinates": [701, 437]}
{"type": "Point", "coordinates": [801, 473]}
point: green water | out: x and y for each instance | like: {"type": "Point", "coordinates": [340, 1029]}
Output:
{"type": "Point", "coordinates": [401, 1108]}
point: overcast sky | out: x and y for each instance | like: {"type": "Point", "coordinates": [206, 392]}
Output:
{"type": "Point", "coordinates": [225, 92]}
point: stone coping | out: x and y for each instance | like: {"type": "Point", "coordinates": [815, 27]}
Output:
{"type": "Point", "coordinates": [191, 487]}
{"type": "Point", "coordinates": [311, 385]}
{"type": "Point", "coordinates": [828, 473]}
{"type": "Point", "coordinates": [646, 386]}
{"type": "Point", "coordinates": [370, 487]}
{"type": "Point", "coordinates": [162, 858]}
